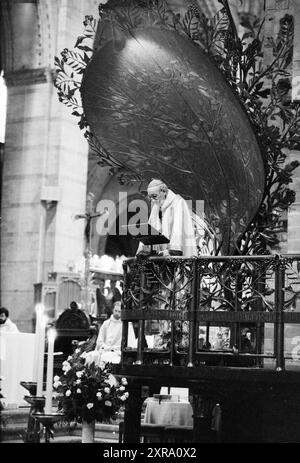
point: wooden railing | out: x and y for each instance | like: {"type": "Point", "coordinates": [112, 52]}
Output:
{"type": "Point", "coordinates": [195, 296]}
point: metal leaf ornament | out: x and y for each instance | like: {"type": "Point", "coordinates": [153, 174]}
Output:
{"type": "Point", "coordinates": [154, 104]}
{"type": "Point", "coordinates": [159, 106]}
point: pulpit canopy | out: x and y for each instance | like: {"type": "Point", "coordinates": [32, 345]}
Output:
{"type": "Point", "coordinates": [161, 109]}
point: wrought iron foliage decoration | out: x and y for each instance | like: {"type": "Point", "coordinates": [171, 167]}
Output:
{"type": "Point", "coordinates": [263, 90]}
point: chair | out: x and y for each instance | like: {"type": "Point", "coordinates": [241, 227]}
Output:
{"type": "Point", "coordinates": [178, 434]}
{"type": "Point", "coordinates": [148, 431]}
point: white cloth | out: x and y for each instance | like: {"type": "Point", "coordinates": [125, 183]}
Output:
{"type": "Point", "coordinates": [168, 413]}
{"type": "Point", "coordinates": [176, 225]}
{"type": "Point", "coordinates": [16, 364]}
{"type": "Point", "coordinates": [9, 327]}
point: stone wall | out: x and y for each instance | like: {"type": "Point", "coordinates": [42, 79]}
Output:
{"type": "Point", "coordinates": [45, 159]}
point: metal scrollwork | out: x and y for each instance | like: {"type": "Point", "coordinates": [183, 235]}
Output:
{"type": "Point", "coordinates": [249, 290]}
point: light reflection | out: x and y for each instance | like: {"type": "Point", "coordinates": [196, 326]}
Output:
{"type": "Point", "coordinates": [3, 107]}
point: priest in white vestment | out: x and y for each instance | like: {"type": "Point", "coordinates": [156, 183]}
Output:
{"type": "Point", "coordinates": [170, 216]}
{"type": "Point", "coordinates": [108, 345]}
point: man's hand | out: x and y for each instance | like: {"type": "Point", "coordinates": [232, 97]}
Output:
{"type": "Point", "coordinates": [164, 253]}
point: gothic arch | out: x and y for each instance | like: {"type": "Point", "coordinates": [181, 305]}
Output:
{"type": "Point", "coordinates": [100, 244]}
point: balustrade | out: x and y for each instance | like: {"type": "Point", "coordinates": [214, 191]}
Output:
{"type": "Point", "coordinates": [196, 311]}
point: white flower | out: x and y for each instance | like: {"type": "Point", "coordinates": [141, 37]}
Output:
{"type": "Point", "coordinates": [89, 405]}
{"type": "Point", "coordinates": [56, 378]}
{"type": "Point", "coordinates": [77, 351]}
{"type": "Point", "coordinates": [78, 381]}
{"type": "Point", "coordinates": [91, 357]}
{"type": "Point", "coordinates": [124, 381]}
{"type": "Point", "coordinates": [78, 391]}
{"type": "Point", "coordinates": [123, 398]}
{"type": "Point", "coordinates": [69, 358]}
{"type": "Point", "coordinates": [121, 388]}
{"type": "Point", "coordinates": [107, 390]}
{"type": "Point", "coordinates": [108, 403]}
{"type": "Point", "coordinates": [79, 373]}
{"type": "Point", "coordinates": [112, 380]}
{"type": "Point", "coordinates": [68, 393]}
{"type": "Point", "coordinates": [102, 365]}
{"type": "Point", "coordinates": [66, 366]}
{"type": "Point", "coordinates": [67, 369]}
{"type": "Point", "coordinates": [56, 384]}
{"type": "Point", "coordinates": [99, 395]}
{"type": "Point", "coordinates": [126, 394]}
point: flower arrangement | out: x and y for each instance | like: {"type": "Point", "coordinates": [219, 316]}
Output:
{"type": "Point", "coordinates": [88, 392]}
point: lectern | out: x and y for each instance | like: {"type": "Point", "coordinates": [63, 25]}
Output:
{"type": "Point", "coordinates": [147, 234]}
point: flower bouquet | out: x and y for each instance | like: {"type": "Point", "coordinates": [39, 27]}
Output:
{"type": "Point", "coordinates": [88, 392]}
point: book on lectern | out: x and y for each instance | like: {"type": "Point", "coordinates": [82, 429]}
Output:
{"type": "Point", "coordinates": [145, 233]}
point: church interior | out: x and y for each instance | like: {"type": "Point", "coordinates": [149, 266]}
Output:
{"type": "Point", "coordinates": [150, 211]}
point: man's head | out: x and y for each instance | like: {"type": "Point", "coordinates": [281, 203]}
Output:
{"type": "Point", "coordinates": [246, 332]}
{"type": "Point", "coordinates": [4, 314]}
{"type": "Point", "coordinates": [73, 305]}
{"type": "Point", "coordinates": [157, 191]}
{"type": "Point", "coordinates": [116, 311]}
{"type": "Point", "coordinates": [101, 284]}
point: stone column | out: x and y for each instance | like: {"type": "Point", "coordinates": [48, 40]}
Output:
{"type": "Point", "coordinates": [45, 154]}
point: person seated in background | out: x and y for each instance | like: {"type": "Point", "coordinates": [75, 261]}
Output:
{"type": "Point", "coordinates": [222, 341]}
{"type": "Point", "coordinates": [218, 342]}
{"type": "Point", "coordinates": [108, 345]}
{"type": "Point", "coordinates": [226, 338]}
{"type": "Point", "coordinates": [246, 343]}
{"type": "Point", "coordinates": [101, 303]}
{"type": "Point", "coordinates": [110, 335]}
{"type": "Point", "coordinates": [112, 296]}
{"type": "Point", "coordinates": [6, 325]}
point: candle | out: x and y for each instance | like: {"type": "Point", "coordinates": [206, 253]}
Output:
{"type": "Point", "coordinates": [40, 355]}
{"type": "Point", "coordinates": [49, 381]}
{"type": "Point", "coordinates": [39, 310]}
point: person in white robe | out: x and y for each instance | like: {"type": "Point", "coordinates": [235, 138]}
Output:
{"type": "Point", "coordinates": [108, 345]}
{"type": "Point", "coordinates": [170, 216]}
{"type": "Point", "coordinates": [6, 324]}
